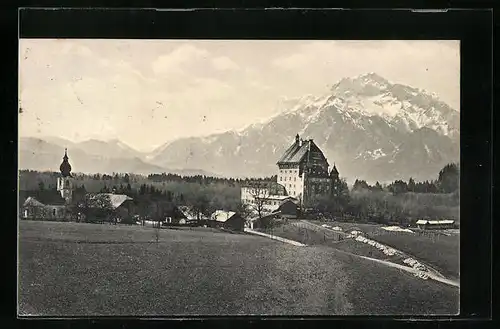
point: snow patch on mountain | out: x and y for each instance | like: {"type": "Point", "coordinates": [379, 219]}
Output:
{"type": "Point", "coordinates": [427, 149]}
{"type": "Point", "coordinates": [371, 154]}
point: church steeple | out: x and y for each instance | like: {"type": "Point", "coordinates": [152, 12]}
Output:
{"type": "Point", "coordinates": [65, 167]}
{"type": "Point", "coordinates": [65, 181]}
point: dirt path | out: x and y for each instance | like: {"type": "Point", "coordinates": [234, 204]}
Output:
{"type": "Point", "coordinates": [274, 237]}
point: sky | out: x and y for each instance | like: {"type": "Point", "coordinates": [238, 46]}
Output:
{"type": "Point", "coordinates": [148, 92]}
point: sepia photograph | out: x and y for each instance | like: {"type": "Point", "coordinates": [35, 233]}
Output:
{"type": "Point", "coordinates": [177, 177]}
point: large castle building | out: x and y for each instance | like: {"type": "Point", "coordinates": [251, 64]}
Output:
{"type": "Point", "coordinates": [303, 175]}
{"type": "Point", "coordinates": [303, 171]}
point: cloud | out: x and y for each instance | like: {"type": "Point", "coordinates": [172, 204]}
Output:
{"type": "Point", "coordinates": [173, 62]}
{"type": "Point", "coordinates": [290, 62]}
{"type": "Point", "coordinates": [418, 63]}
{"type": "Point", "coordinates": [224, 63]}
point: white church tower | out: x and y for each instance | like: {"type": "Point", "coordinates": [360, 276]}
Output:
{"type": "Point", "coordinates": [65, 181]}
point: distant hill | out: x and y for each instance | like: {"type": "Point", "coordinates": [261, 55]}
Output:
{"type": "Point", "coordinates": [89, 157]}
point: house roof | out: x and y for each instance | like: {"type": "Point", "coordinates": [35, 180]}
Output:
{"type": "Point", "coordinates": [116, 199]}
{"type": "Point", "coordinates": [32, 202]}
{"type": "Point", "coordinates": [281, 198]}
{"type": "Point", "coordinates": [434, 222]}
{"type": "Point", "coordinates": [221, 215]}
{"type": "Point", "coordinates": [269, 215]}
{"type": "Point", "coordinates": [46, 197]}
{"type": "Point", "coordinates": [190, 213]}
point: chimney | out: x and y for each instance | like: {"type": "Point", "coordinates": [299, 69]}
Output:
{"type": "Point", "coordinates": [301, 141]}
{"type": "Point", "coordinates": [297, 138]}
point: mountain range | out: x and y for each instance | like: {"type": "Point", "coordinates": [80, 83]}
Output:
{"type": "Point", "coordinates": [368, 127]}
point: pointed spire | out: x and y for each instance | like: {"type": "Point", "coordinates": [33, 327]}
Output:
{"type": "Point", "coordinates": [334, 171]}
{"type": "Point", "coordinates": [65, 166]}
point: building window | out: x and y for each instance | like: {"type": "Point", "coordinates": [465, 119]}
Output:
{"type": "Point", "coordinates": [295, 179]}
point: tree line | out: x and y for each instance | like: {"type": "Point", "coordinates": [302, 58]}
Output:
{"type": "Point", "coordinates": [448, 181]}
{"type": "Point", "coordinates": [399, 202]}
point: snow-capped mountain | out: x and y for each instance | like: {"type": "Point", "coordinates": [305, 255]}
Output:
{"type": "Point", "coordinates": [371, 128]}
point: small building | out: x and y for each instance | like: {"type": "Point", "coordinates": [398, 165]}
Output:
{"type": "Point", "coordinates": [170, 214]}
{"type": "Point", "coordinates": [191, 214]}
{"type": "Point", "coordinates": [106, 206]}
{"type": "Point", "coordinates": [256, 222]}
{"type": "Point", "coordinates": [288, 209]}
{"type": "Point", "coordinates": [229, 220]}
{"type": "Point", "coordinates": [435, 224]}
{"type": "Point", "coordinates": [34, 209]}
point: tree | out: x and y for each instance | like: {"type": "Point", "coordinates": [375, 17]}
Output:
{"type": "Point", "coordinates": [377, 187]}
{"type": "Point", "coordinates": [95, 207]}
{"type": "Point", "coordinates": [449, 178]}
{"type": "Point", "coordinates": [398, 187]}
{"type": "Point", "coordinates": [360, 185]}
{"type": "Point", "coordinates": [260, 195]}
{"type": "Point", "coordinates": [411, 185]}
{"type": "Point", "coordinates": [341, 191]}
{"type": "Point", "coordinates": [244, 211]}
{"type": "Point", "coordinates": [201, 205]}
{"type": "Point", "coordinates": [323, 203]}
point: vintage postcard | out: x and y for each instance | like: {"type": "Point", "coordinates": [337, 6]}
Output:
{"type": "Point", "coordinates": [238, 177]}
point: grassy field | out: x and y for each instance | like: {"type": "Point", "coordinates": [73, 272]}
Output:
{"type": "Point", "coordinates": [91, 269]}
{"type": "Point", "coordinates": [435, 248]}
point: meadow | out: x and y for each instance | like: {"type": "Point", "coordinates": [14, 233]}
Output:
{"type": "Point", "coordinates": [440, 250]}
{"type": "Point", "coordinates": [77, 269]}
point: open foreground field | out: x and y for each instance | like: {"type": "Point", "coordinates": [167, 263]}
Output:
{"type": "Point", "coordinates": [75, 269]}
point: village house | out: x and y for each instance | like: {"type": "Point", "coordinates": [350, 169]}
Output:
{"type": "Point", "coordinates": [229, 220]}
{"type": "Point", "coordinates": [34, 209]}
{"type": "Point", "coordinates": [121, 205]}
{"type": "Point", "coordinates": [192, 216]}
{"type": "Point", "coordinates": [288, 209]}
{"type": "Point", "coordinates": [435, 224]}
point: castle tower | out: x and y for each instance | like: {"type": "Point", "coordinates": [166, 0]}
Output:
{"type": "Point", "coordinates": [65, 181]}
{"type": "Point", "coordinates": [334, 173]}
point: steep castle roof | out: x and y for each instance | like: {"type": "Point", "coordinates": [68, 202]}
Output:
{"type": "Point", "coordinates": [300, 151]}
